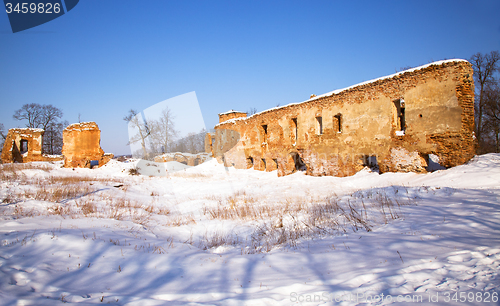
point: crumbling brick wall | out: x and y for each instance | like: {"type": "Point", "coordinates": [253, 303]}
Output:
{"type": "Point", "coordinates": [395, 122]}
{"type": "Point", "coordinates": [23, 145]}
{"type": "Point", "coordinates": [209, 141]}
{"type": "Point", "coordinates": [81, 146]}
{"type": "Point", "coordinates": [185, 158]}
{"type": "Point", "coordinates": [232, 114]}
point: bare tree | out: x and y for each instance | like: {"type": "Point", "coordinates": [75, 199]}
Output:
{"type": "Point", "coordinates": [49, 121]}
{"type": "Point", "coordinates": [192, 143]}
{"type": "Point", "coordinates": [50, 115]}
{"type": "Point", "coordinates": [45, 117]}
{"type": "Point", "coordinates": [2, 135]}
{"type": "Point", "coordinates": [492, 114]}
{"type": "Point", "coordinates": [2, 132]}
{"type": "Point", "coordinates": [31, 112]}
{"type": "Point", "coordinates": [53, 140]}
{"type": "Point", "coordinates": [163, 132]}
{"type": "Point", "coordinates": [141, 128]}
{"type": "Point", "coordinates": [485, 66]}
{"type": "Point", "coordinates": [251, 111]}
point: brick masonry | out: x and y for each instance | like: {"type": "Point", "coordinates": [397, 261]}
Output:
{"type": "Point", "coordinates": [81, 146]}
{"type": "Point", "coordinates": [341, 132]}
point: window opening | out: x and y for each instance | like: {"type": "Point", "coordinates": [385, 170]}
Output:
{"type": "Point", "coordinates": [337, 122]}
{"type": "Point", "coordinates": [294, 128]}
{"type": "Point", "coordinates": [264, 163]}
{"type": "Point", "coordinates": [401, 120]}
{"type": "Point", "coordinates": [320, 125]}
{"type": "Point", "coordinates": [264, 127]}
{"type": "Point", "coordinates": [23, 146]}
{"type": "Point", "coordinates": [276, 162]}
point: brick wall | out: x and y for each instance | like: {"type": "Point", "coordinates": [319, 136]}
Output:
{"type": "Point", "coordinates": [337, 133]}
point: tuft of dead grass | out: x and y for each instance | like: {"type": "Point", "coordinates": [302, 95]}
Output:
{"type": "Point", "coordinates": [287, 222]}
{"type": "Point", "coordinates": [180, 220]}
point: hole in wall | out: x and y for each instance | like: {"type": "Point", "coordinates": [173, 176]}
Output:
{"type": "Point", "coordinates": [298, 162]}
{"type": "Point", "coordinates": [370, 161]}
{"type": "Point", "coordinates": [94, 163]}
{"type": "Point", "coordinates": [23, 146]}
{"type": "Point", "coordinates": [249, 162]}
{"type": "Point", "coordinates": [433, 163]}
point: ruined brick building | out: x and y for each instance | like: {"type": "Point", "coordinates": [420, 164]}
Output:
{"type": "Point", "coordinates": [188, 159]}
{"type": "Point", "coordinates": [81, 146]}
{"type": "Point", "coordinates": [394, 123]}
{"type": "Point", "coordinates": [24, 145]}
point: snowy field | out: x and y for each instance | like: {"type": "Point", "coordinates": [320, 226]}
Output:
{"type": "Point", "coordinates": [211, 235]}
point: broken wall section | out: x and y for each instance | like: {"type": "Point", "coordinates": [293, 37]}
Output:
{"type": "Point", "coordinates": [209, 142]}
{"type": "Point", "coordinates": [81, 146]}
{"type": "Point", "coordinates": [232, 114]}
{"type": "Point", "coordinates": [183, 158]}
{"type": "Point", "coordinates": [24, 145]}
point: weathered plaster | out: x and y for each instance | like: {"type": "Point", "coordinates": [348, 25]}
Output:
{"type": "Point", "coordinates": [438, 112]}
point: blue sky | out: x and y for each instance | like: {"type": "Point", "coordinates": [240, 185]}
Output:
{"type": "Point", "coordinates": [105, 57]}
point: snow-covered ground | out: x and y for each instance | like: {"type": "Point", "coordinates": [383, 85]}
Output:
{"type": "Point", "coordinates": [210, 235]}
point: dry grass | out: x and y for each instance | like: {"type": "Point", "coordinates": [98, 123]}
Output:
{"type": "Point", "coordinates": [24, 166]}
{"type": "Point", "coordinates": [240, 206]}
{"type": "Point", "coordinates": [97, 207]}
{"type": "Point", "coordinates": [73, 196]}
{"type": "Point", "coordinates": [277, 222]}
{"type": "Point", "coordinates": [13, 172]}
{"type": "Point", "coordinates": [180, 220]}
{"type": "Point", "coordinates": [217, 239]}
{"type": "Point", "coordinates": [58, 193]}
{"type": "Point", "coordinates": [286, 222]}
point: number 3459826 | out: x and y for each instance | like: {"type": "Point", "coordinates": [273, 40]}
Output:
{"type": "Point", "coordinates": [24, 8]}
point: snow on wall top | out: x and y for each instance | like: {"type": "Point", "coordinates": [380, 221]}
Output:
{"type": "Point", "coordinates": [85, 125]}
{"type": "Point", "coordinates": [27, 130]}
{"type": "Point", "coordinates": [337, 91]}
{"type": "Point", "coordinates": [231, 111]}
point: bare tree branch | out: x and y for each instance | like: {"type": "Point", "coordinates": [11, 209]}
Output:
{"type": "Point", "coordinates": [31, 112]}
{"type": "Point", "coordinates": [135, 122]}
{"type": "Point", "coordinates": [485, 66]}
